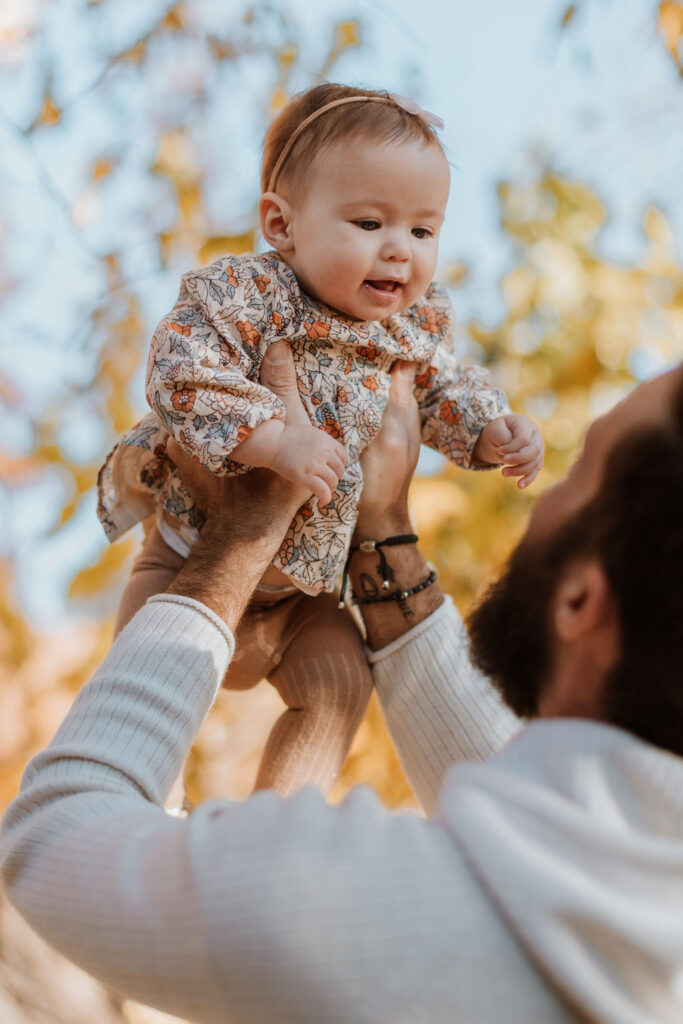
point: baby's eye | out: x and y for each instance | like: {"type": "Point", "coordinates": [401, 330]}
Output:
{"type": "Point", "coordinates": [422, 232]}
{"type": "Point", "coordinates": [367, 225]}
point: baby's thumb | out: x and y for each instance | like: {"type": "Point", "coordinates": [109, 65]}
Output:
{"type": "Point", "coordinates": [279, 376]}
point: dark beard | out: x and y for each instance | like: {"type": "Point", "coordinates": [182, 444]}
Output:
{"type": "Point", "coordinates": [509, 630]}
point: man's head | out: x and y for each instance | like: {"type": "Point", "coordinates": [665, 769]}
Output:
{"type": "Point", "coordinates": [587, 619]}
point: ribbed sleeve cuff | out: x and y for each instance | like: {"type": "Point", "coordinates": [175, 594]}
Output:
{"type": "Point", "coordinates": [438, 708]}
{"type": "Point", "coordinates": [445, 610]}
{"type": "Point", "coordinates": [203, 610]}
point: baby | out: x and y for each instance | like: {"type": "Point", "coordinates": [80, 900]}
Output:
{"type": "Point", "coordinates": [355, 185]}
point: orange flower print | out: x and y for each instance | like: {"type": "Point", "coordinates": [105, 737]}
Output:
{"type": "Point", "coordinates": [329, 423]}
{"type": "Point", "coordinates": [229, 353]}
{"type": "Point", "coordinates": [277, 319]}
{"type": "Point", "coordinates": [231, 277]}
{"type": "Point", "coordinates": [151, 473]}
{"type": "Point", "coordinates": [288, 551]}
{"type": "Point", "coordinates": [316, 329]}
{"type": "Point", "coordinates": [369, 352]}
{"type": "Point", "coordinates": [250, 336]}
{"type": "Point", "coordinates": [449, 412]}
{"type": "Point", "coordinates": [370, 383]}
{"type": "Point", "coordinates": [261, 282]}
{"type": "Point", "coordinates": [428, 319]}
{"type": "Point", "coordinates": [426, 379]}
{"type": "Point", "coordinates": [306, 511]}
{"type": "Point", "coordinates": [183, 329]}
{"type": "Point", "coordinates": [183, 400]}
{"type": "Point", "coordinates": [243, 433]}
{"type": "Point", "coordinates": [344, 394]}
{"type": "Point", "coordinates": [348, 365]}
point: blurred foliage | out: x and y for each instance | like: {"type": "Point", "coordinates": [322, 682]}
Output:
{"type": "Point", "coordinates": [576, 332]}
{"type": "Point", "coordinates": [671, 29]}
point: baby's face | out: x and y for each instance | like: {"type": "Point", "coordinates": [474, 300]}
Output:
{"type": "Point", "coordinates": [366, 231]}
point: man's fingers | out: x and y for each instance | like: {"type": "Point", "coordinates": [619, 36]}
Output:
{"type": "Point", "coordinates": [279, 376]}
{"type": "Point", "coordinates": [196, 478]}
{"type": "Point", "coordinates": [402, 383]}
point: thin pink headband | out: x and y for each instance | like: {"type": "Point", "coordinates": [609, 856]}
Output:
{"type": "Point", "coordinates": [393, 99]}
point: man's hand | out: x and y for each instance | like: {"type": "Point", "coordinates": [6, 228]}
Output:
{"type": "Point", "coordinates": [389, 462]}
{"type": "Point", "coordinates": [388, 466]}
{"type": "Point", "coordinates": [217, 495]}
{"type": "Point", "coordinates": [246, 516]}
{"type": "Point", "coordinates": [512, 441]}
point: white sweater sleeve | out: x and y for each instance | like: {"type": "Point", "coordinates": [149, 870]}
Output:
{"type": "Point", "coordinates": [438, 708]}
{"type": "Point", "coordinates": [266, 910]}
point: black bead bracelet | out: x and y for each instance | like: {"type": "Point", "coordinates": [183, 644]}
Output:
{"type": "Point", "coordinates": [375, 545]}
{"type": "Point", "coordinates": [397, 595]}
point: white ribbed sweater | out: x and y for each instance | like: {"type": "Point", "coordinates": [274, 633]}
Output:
{"type": "Point", "coordinates": [269, 910]}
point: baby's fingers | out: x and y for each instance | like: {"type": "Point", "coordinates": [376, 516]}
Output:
{"type": "Point", "coordinates": [529, 477]}
{"type": "Point", "coordinates": [520, 440]}
{"type": "Point", "coordinates": [321, 490]}
{"type": "Point", "coordinates": [339, 451]}
{"type": "Point", "coordinates": [328, 475]}
{"type": "Point", "coordinates": [528, 453]}
{"type": "Point", "coordinates": [528, 471]}
{"type": "Point", "coordinates": [337, 465]}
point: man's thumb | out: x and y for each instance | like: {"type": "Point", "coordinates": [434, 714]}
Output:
{"type": "Point", "coordinates": [402, 382]}
{"type": "Point", "coordinates": [279, 376]}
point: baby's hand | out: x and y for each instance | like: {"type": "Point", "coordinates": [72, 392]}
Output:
{"type": "Point", "coordinates": [309, 457]}
{"type": "Point", "coordinates": [512, 441]}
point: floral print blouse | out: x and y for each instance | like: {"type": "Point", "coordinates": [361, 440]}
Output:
{"type": "Point", "coordinates": [203, 388]}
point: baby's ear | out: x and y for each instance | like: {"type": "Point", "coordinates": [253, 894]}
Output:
{"type": "Point", "coordinates": [275, 216]}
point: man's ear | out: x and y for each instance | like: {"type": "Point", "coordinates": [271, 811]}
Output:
{"type": "Point", "coordinates": [275, 216]}
{"type": "Point", "coordinates": [584, 605]}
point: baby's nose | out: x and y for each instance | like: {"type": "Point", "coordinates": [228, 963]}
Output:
{"type": "Point", "coordinates": [397, 248]}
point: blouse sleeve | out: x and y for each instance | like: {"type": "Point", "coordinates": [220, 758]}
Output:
{"type": "Point", "coordinates": [202, 373]}
{"type": "Point", "coordinates": [455, 402]}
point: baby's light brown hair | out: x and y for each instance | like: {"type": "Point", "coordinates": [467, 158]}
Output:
{"type": "Point", "coordinates": [378, 122]}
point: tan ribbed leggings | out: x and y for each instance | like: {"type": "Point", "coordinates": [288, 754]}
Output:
{"type": "Point", "coordinates": [306, 647]}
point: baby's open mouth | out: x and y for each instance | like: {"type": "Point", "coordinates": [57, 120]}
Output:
{"type": "Point", "coordinates": [385, 286]}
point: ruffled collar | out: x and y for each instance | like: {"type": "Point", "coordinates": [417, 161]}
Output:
{"type": "Point", "coordinates": [413, 334]}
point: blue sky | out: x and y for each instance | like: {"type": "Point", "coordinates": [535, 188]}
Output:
{"type": "Point", "coordinates": [600, 101]}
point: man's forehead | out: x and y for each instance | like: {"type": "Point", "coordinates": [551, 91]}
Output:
{"type": "Point", "coordinates": [647, 405]}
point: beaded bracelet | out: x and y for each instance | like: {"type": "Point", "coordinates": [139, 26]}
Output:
{"type": "Point", "coordinates": [375, 545]}
{"type": "Point", "coordinates": [397, 595]}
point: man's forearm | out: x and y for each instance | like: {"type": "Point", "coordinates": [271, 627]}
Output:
{"type": "Point", "coordinates": [438, 708]}
{"type": "Point", "coordinates": [237, 543]}
{"type": "Point", "coordinates": [386, 621]}
{"type": "Point", "coordinates": [223, 575]}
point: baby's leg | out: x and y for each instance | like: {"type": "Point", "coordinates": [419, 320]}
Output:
{"type": "Point", "coordinates": [325, 681]}
{"type": "Point", "coordinates": [156, 566]}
